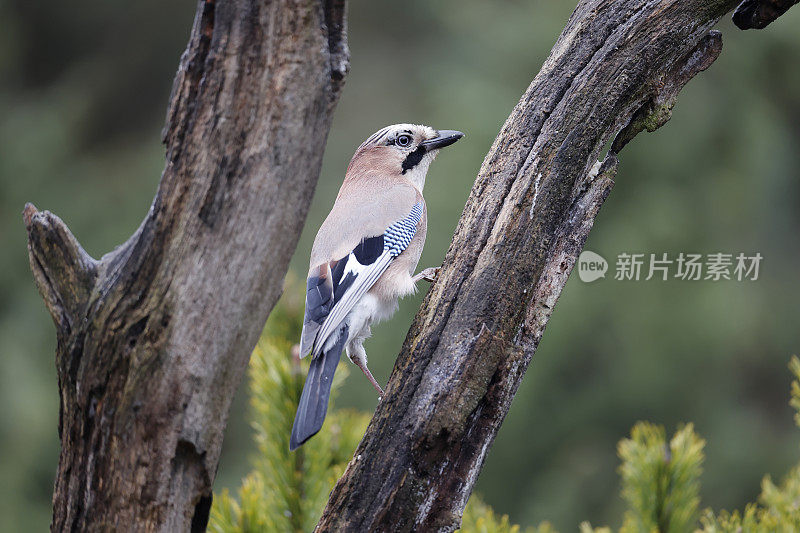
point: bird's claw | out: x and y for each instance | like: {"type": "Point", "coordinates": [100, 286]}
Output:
{"type": "Point", "coordinates": [429, 274]}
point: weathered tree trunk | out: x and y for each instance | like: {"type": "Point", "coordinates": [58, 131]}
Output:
{"type": "Point", "coordinates": [154, 337]}
{"type": "Point", "coordinates": [616, 69]}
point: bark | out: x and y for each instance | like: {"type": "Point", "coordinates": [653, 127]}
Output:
{"type": "Point", "coordinates": [615, 70]}
{"type": "Point", "coordinates": [758, 14]}
{"type": "Point", "coordinates": [153, 338]}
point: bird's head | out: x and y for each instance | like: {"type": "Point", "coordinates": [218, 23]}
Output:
{"type": "Point", "coordinates": [402, 149]}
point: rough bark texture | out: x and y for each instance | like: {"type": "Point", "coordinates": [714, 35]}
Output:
{"type": "Point", "coordinates": [758, 14]}
{"type": "Point", "coordinates": [154, 337]}
{"type": "Point", "coordinates": [616, 69]}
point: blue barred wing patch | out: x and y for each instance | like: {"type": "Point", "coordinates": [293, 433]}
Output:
{"type": "Point", "coordinates": [398, 236]}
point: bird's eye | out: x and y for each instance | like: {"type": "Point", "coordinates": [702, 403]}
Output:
{"type": "Point", "coordinates": [403, 140]}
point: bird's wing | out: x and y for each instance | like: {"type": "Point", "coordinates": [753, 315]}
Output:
{"type": "Point", "coordinates": [335, 287]}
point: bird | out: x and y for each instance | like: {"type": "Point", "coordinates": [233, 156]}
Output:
{"type": "Point", "coordinates": [363, 258]}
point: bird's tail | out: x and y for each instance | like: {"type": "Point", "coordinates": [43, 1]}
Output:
{"type": "Point", "coordinates": [313, 404]}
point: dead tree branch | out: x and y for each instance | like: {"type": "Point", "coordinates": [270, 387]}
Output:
{"type": "Point", "coordinates": [154, 337]}
{"type": "Point", "coordinates": [615, 70]}
{"type": "Point", "coordinates": [758, 14]}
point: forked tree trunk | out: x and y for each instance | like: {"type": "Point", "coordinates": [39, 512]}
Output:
{"type": "Point", "coordinates": [615, 70]}
{"type": "Point", "coordinates": [154, 337]}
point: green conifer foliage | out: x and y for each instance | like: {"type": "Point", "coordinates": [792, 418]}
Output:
{"type": "Point", "coordinates": [586, 527]}
{"type": "Point", "coordinates": [480, 518]}
{"type": "Point", "coordinates": [660, 482]}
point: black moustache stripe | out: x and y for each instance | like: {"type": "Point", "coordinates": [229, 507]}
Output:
{"type": "Point", "coordinates": [413, 159]}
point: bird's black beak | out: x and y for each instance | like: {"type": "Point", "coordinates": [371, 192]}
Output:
{"type": "Point", "coordinates": [444, 138]}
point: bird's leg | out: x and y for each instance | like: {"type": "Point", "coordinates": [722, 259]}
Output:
{"type": "Point", "coordinates": [429, 274]}
{"type": "Point", "coordinates": [365, 370]}
{"type": "Point", "coordinates": [357, 354]}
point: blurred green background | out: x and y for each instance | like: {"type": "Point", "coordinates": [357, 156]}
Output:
{"type": "Point", "coordinates": [83, 90]}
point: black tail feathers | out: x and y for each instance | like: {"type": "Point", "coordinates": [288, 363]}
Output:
{"type": "Point", "coordinates": [313, 404]}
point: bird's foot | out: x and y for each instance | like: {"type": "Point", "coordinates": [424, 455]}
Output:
{"type": "Point", "coordinates": [429, 274]}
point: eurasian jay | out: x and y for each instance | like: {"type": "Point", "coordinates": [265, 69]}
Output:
{"type": "Point", "coordinates": [363, 258]}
